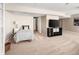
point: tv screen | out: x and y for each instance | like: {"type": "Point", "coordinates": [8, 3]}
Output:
{"type": "Point", "coordinates": [76, 22]}
{"type": "Point", "coordinates": [53, 23]}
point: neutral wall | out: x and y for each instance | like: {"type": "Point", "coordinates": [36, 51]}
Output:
{"type": "Point", "coordinates": [34, 24]}
{"type": "Point", "coordinates": [20, 19]}
{"type": "Point", "coordinates": [43, 25]}
{"type": "Point", "coordinates": [39, 24]}
{"type": "Point", "coordinates": [68, 24]}
{"type": "Point", "coordinates": [8, 24]}
{"type": "Point", "coordinates": [1, 31]}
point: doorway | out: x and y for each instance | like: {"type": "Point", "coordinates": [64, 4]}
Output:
{"type": "Point", "coordinates": [35, 24]}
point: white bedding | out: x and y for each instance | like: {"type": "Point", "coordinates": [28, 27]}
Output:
{"type": "Point", "coordinates": [23, 35]}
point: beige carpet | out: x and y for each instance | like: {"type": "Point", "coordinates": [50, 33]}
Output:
{"type": "Point", "coordinates": [67, 44]}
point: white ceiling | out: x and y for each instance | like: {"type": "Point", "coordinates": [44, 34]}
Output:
{"type": "Point", "coordinates": [68, 8]}
{"type": "Point", "coordinates": [53, 6]}
{"type": "Point", "coordinates": [26, 13]}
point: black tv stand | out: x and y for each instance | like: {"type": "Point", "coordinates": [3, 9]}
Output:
{"type": "Point", "coordinates": [51, 33]}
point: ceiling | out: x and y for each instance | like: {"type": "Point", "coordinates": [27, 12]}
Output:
{"type": "Point", "coordinates": [52, 6]}
{"type": "Point", "coordinates": [68, 8]}
{"type": "Point", "coordinates": [26, 13]}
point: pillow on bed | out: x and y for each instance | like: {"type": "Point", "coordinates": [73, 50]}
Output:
{"type": "Point", "coordinates": [25, 28]}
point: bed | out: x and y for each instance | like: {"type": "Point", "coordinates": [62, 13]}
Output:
{"type": "Point", "coordinates": [23, 34]}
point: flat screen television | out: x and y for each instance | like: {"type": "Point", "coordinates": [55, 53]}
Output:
{"type": "Point", "coordinates": [76, 22]}
{"type": "Point", "coordinates": [53, 23]}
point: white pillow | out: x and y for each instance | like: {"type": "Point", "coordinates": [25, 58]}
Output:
{"type": "Point", "coordinates": [25, 28]}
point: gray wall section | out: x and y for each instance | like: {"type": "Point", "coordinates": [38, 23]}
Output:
{"type": "Point", "coordinates": [43, 25]}
{"type": "Point", "coordinates": [68, 24]}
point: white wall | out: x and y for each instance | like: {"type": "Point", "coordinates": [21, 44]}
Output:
{"type": "Point", "coordinates": [19, 18]}
{"type": "Point", "coordinates": [43, 25]}
{"type": "Point", "coordinates": [8, 23]}
{"type": "Point", "coordinates": [39, 24]}
{"type": "Point", "coordinates": [34, 24]}
{"type": "Point", "coordinates": [1, 31]}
